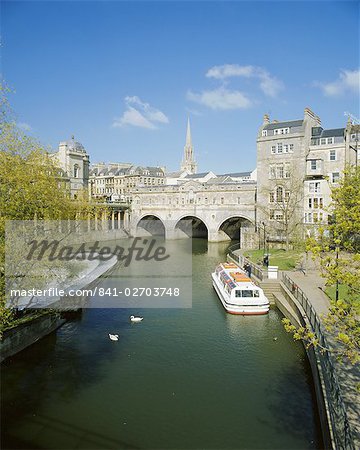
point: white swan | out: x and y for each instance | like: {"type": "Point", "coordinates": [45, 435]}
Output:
{"type": "Point", "coordinates": [136, 319]}
{"type": "Point", "coordinates": [114, 337]}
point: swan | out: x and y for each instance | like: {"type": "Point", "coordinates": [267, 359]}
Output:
{"type": "Point", "coordinates": [114, 337]}
{"type": "Point", "coordinates": [136, 319]}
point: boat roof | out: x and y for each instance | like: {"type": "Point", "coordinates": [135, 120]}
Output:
{"type": "Point", "coordinates": [237, 276]}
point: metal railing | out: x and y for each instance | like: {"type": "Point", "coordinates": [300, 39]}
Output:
{"type": "Point", "coordinates": [337, 411]}
{"type": "Point", "coordinates": [241, 260]}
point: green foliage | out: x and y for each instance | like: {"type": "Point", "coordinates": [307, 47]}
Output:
{"type": "Point", "coordinates": [31, 187]}
{"type": "Point", "coordinates": [304, 334]}
{"type": "Point", "coordinates": [337, 247]}
{"type": "Point", "coordinates": [284, 259]}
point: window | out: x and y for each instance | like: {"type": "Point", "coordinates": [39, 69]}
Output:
{"type": "Point", "coordinates": [76, 171]}
{"type": "Point", "coordinates": [272, 172]}
{"type": "Point", "coordinates": [335, 177]}
{"type": "Point", "coordinates": [280, 171]}
{"type": "Point", "coordinates": [222, 200]}
{"type": "Point", "coordinates": [271, 197]}
{"type": "Point", "coordinates": [279, 215]}
{"type": "Point", "coordinates": [286, 148]}
{"type": "Point", "coordinates": [282, 131]}
{"type": "Point", "coordinates": [287, 170]}
{"type": "Point", "coordinates": [264, 132]}
{"type": "Point", "coordinates": [322, 141]}
{"type": "Point", "coordinates": [287, 196]}
{"type": "Point", "coordinates": [279, 148]}
{"type": "Point", "coordinates": [314, 187]}
{"type": "Point", "coordinates": [332, 155]}
{"type": "Point", "coordinates": [330, 140]}
{"type": "Point", "coordinates": [272, 214]}
{"type": "Point", "coordinates": [273, 149]}
{"type": "Point", "coordinates": [313, 164]}
{"type": "Point", "coordinates": [310, 202]}
{"type": "Point", "coordinates": [291, 148]}
{"type": "Point", "coordinates": [279, 194]}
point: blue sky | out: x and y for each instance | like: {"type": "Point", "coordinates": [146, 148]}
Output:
{"type": "Point", "coordinates": [123, 76]}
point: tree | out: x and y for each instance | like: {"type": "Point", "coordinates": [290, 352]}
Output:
{"type": "Point", "coordinates": [337, 246]}
{"type": "Point", "coordinates": [285, 193]}
{"type": "Point", "coordinates": [32, 187]}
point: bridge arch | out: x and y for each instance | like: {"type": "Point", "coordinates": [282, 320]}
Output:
{"type": "Point", "coordinates": [192, 226]}
{"type": "Point", "coordinates": [150, 224]}
{"type": "Point", "coordinates": [234, 226]}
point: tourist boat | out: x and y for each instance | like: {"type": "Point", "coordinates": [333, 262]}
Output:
{"type": "Point", "coordinates": [238, 294]}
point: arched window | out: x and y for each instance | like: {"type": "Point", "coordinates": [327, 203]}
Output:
{"type": "Point", "coordinates": [76, 171]}
{"type": "Point", "coordinates": [279, 194]}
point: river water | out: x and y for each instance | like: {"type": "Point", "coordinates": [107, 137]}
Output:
{"type": "Point", "coordinates": [194, 378]}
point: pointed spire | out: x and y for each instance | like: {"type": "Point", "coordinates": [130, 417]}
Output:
{"type": "Point", "coordinates": [188, 134]}
{"type": "Point", "coordinates": [188, 162]}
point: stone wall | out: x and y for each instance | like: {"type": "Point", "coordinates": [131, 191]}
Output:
{"type": "Point", "coordinates": [19, 337]}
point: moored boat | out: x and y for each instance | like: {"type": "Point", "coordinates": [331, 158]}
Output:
{"type": "Point", "coordinates": [237, 293]}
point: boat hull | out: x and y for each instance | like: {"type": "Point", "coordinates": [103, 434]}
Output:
{"type": "Point", "coordinates": [243, 310]}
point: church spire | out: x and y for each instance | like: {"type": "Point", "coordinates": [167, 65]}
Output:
{"type": "Point", "coordinates": [188, 134]}
{"type": "Point", "coordinates": [188, 163]}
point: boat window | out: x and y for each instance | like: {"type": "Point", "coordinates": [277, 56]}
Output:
{"type": "Point", "coordinates": [246, 293]}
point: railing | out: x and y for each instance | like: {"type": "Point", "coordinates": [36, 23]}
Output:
{"type": "Point", "coordinates": [241, 260]}
{"type": "Point", "coordinates": [338, 416]}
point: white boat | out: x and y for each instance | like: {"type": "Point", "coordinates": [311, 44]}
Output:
{"type": "Point", "coordinates": [238, 294]}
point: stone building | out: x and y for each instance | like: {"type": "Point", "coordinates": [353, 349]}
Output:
{"type": "Point", "coordinates": [298, 162]}
{"type": "Point", "coordinates": [74, 163]}
{"type": "Point", "coordinates": [116, 181]}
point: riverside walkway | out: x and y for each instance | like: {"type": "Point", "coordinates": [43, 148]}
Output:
{"type": "Point", "coordinates": [312, 284]}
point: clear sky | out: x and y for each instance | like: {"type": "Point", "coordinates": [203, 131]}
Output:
{"type": "Point", "coordinates": [123, 76]}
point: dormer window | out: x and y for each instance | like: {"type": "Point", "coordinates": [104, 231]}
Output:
{"type": "Point", "coordinates": [264, 133]}
{"type": "Point", "coordinates": [282, 131]}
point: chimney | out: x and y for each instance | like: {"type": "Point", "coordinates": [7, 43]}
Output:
{"type": "Point", "coordinates": [266, 119]}
{"type": "Point", "coordinates": [309, 113]}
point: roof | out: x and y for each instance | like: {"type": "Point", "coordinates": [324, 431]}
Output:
{"type": "Point", "coordinates": [133, 170]}
{"type": "Point", "coordinates": [197, 175]}
{"type": "Point", "coordinates": [236, 174]}
{"type": "Point", "coordinates": [289, 124]}
{"type": "Point", "coordinates": [333, 132]}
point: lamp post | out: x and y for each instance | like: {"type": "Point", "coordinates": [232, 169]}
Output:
{"type": "Point", "coordinates": [263, 224]}
{"type": "Point", "coordinates": [337, 280]}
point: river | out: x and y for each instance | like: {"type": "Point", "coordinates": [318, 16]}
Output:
{"type": "Point", "coordinates": [182, 379]}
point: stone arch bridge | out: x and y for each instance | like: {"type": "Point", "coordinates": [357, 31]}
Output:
{"type": "Point", "coordinates": [219, 212]}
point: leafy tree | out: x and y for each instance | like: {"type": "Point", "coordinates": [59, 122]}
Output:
{"type": "Point", "coordinates": [32, 187]}
{"type": "Point", "coordinates": [337, 246]}
{"type": "Point", "coordinates": [283, 209]}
